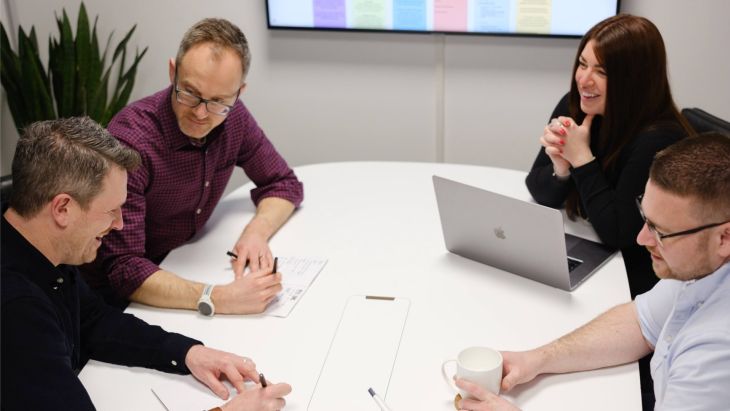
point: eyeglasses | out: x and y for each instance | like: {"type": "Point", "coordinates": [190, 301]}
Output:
{"type": "Point", "coordinates": [661, 236]}
{"type": "Point", "coordinates": [211, 106]}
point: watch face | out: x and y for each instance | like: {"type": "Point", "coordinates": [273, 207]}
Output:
{"type": "Point", "coordinates": [205, 308]}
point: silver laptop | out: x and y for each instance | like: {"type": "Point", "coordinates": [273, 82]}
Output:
{"type": "Point", "coordinates": [523, 238]}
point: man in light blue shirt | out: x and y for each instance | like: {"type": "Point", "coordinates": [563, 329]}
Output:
{"type": "Point", "coordinates": [685, 318]}
{"type": "Point", "coordinates": [688, 324]}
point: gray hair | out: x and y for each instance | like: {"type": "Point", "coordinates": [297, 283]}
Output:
{"type": "Point", "coordinates": [222, 33]}
{"type": "Point", "coordinates": [71, 155]}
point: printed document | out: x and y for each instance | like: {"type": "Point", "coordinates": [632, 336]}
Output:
{"type": "Point", "coordinates": [297, 275]}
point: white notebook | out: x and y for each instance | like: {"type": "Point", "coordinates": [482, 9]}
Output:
{"type": "Point", "coordinates": [362, 354]}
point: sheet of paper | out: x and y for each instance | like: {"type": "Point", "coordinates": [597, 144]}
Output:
{"type": "Point", "coordinates": [185, 393]}
{"type": "Point", "coordinates": [362, 354]}
{"type": "Point", "coordinates": [298, 273]}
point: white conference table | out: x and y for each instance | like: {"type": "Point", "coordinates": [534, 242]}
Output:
{"type": "Point", "coordinates": [377, 223]}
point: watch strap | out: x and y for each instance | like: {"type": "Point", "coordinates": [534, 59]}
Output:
{"type": "Point", "coordinates": [207, 291]}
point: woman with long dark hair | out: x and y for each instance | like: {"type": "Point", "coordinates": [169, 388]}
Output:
{"type": "Point", "coordinates": [602, 136]}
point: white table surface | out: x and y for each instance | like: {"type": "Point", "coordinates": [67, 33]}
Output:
{"type": "Point", "coordinates": [378, 224]}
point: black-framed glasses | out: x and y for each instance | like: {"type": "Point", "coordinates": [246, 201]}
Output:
{"type": "Point", "coordinates": [211, 106]}
{"type": "Point", "coordinates": [661, 236]}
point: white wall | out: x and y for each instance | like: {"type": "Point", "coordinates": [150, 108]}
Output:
{"type": "Point", "coordinates": [500, 93]}
{"type": "Point", "coordinates": [333, 96]}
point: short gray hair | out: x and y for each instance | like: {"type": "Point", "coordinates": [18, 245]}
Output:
{"type": "Point", "coordinates": [222, 33]}
{"type": "Point", "coordinates": [71, 155]}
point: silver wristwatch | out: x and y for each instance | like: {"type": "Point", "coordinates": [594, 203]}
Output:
{"type": "Point", "coordinates": [205, 303]}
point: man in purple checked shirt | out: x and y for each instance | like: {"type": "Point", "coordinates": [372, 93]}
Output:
{"type": "Point", "coordinates": [190, 136]}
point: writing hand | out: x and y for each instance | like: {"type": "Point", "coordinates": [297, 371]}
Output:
{"type": "Point", "coordinates": [270, 398]}
{"type": "Point", "coordinates": [249, 294]}
{"type": "Point", "coordinates": [253, 249]}
{"type": "Point", "coordinates": [211, 366]}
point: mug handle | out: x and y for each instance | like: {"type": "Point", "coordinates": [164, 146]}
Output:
{"type": "Point", "coordinates": [449, 379]}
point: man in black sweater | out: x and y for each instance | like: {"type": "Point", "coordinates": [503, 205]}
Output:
{"type": "Point", "coordinates": [70, 179]}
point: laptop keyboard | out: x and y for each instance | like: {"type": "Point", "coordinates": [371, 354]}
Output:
{"type": "Point", "coordinates": [573, 263]}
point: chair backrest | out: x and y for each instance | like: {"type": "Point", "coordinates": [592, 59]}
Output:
{"type": "Point", "coordinates": [6, 187]}
{"type": "Point", "coordinates": [703, 121]}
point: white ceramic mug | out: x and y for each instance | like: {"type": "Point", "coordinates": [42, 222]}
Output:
{"type": "Point", "coordinates": [480, 365]}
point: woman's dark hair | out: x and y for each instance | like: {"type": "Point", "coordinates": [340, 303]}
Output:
{"type": "Point", "coordinates": [631, 51]}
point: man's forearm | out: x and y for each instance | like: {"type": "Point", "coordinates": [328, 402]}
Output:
{"type": "Point", "coordinates": [271, 214]}
{"type": "Point", "coordinates": [612, 338]}
{"type": "Point", "coordinates": [165, 289]}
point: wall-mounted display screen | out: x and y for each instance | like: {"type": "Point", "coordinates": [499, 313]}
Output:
{"type": "Point", "coordinates": [563, 18]}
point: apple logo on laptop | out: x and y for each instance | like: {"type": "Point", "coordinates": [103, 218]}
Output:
{"type": "Point", "coordinates": [499, 232]}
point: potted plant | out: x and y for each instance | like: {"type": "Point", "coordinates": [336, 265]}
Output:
{"type": "Point", "coordinates": [77, 80]}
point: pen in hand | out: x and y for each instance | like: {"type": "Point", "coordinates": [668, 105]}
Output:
{"type": "Point", "coordinates": [235, 256]}
{"type": "Point", "coordinates": [383, 406]}
{"type": "Point", "coordinates": [262, 379]}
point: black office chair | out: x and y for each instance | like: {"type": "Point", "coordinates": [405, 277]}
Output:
{"type": "Point", "coordinates": [703, 121]}
{"type": "Point", "coordinates": [6, 187]}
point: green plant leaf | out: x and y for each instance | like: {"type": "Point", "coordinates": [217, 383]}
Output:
{"type": "Point", "coordinates": [32, 84]}
{"type": "Point", "coordinates": [78, 76]}
{"type": "Point", "coordinates": [63, 70]}
{"type": "Point", "coordinates": [128, 80]}
{"type": "Point", "coordinates": [36, 56]}
{"type": "Point", "coordinates": [10, 78]}
{"type": "Point", "coordinates": [101, 97]}
{"type": "Point", "coordinates": [120, 76]}
{"type": "Point", "coordinates": [104, 116]}
{"type": "Point", "coordinates": [122, 46]}
{"type": "Point", "coordinates": [33, 38]}
{"type": "Point", "coordinates": [94, 105]}
{"type": "Point", "coordinates": [83, 59]}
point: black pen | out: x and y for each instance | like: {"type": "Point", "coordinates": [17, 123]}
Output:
{"type": "Point", "coordinates": [276, 262]}
{"type": "Point", "coordinates": [232, 254]}
{"type": "Point", "coordinates": [263, 381]}
{"type": "Point", "coordinates": [383, 406]}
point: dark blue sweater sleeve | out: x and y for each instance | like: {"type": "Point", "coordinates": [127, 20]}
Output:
{"type": "Point", "coordinates": [110, 335]}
